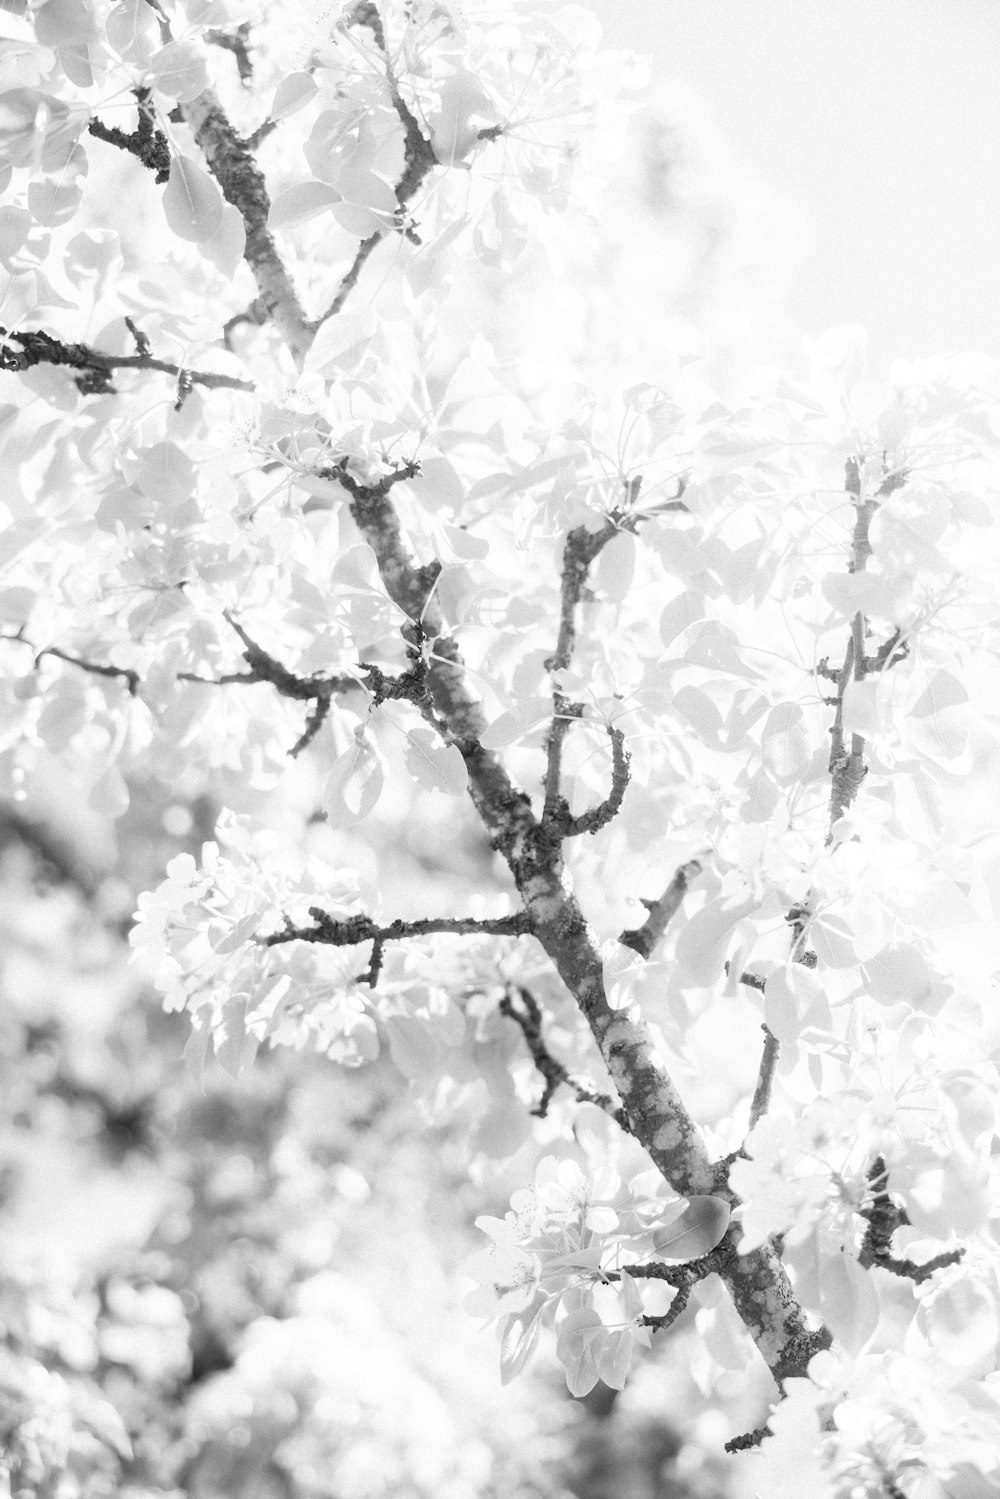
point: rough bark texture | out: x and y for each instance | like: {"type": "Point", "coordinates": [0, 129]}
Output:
{"type": "Point", "coordinates": [659, 1119]}
{"type": "Point", "coordinates": [530, 845]}
{"type": "Point", "coordinates": [233, 166]}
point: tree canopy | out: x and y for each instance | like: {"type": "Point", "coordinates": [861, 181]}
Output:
{"type": "Point", "coordinates": [364, 488]}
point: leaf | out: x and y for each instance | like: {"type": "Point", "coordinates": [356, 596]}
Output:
{"type": "Point", "coordinates": [235, 1046]}
{"type": "Point", "coordinates": [240, 933]}
{"type": "Point", "coordinates": [294, 92]}
{"type": "Point", "coordinates": [354, 784]}
{"type": "Point", "coordinates": [848, 1300]}
{"type": "Point", "coordinates": [164, 473]}
{"type": "Point", "coordinates": [132, 32]}
{"type": "Point", "coordinates": [516, 723]}
{"type": "Point", "coordinates": [701, 713]}
{"type": "Point", "coordinates": [434, 765]}
{"type": "Point", "coordinates": [898, 973]}
{"type": "Point", "coordinates": [180, 70]}
{"type": "Point", "coordinates": [519, 1337]}
{"type": "Point", "coordinates": [192, 201]}
{"type": "Point", "coordinates": [688, 608]}
{"type": "Point", "coordinates": [784, 744]}
{"type": "Point", "coordinates": [614, 1356]}
{"type": "Point", "coordinates": [705, 940]}
{"type": "Point", "coordinates": [793, 998]}
{"type": "Point", "coordinates": [368, 190]}
{"type": "Point", "coordinates": [65, 23]}
{"type": "Point", "coordinates": [696, 1231]}
{"type": "Point", "coordinates": [25, 116]}
{"type": "Point", "coordinates": [413, 1047]}
{"type": "Point", "coordinates": [300, 202]}
{"type": "Point", "coordinates": [945, 1194]}
{"type": "Point", "coordinates": [961, 1322]}
{"type": "Point", "coordinates": [580, 1334]}
{"type": "Point", "coordinates": [54, 202]}
{"type": "Point", "coordinates": [15, 225]}
{"type": "Point", "coordinates": [344, 333]}
{"type": "Point", "coordinates": [358, 220]}
{"type": "Point", "coordinates": [226, 248]}
{"type": "Point", "coordinates": [937, 724]}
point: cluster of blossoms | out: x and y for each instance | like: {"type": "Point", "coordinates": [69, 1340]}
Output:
{"type": "Point", "coordinates": [560, 1259]}
{"type": "Point", "coordinates": [195, 935]}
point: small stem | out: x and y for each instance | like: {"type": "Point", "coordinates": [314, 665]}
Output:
{"type": "Point", "coordinates": [353, 930]}
{"type": "Point", "coordinates": [765, 1077]}
{"type": "Point", "coordinates": [553, 1072]}
{"type": "Point", "coordinates": [644, 938]}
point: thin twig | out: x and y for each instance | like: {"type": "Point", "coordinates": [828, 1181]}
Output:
{"type": "Point", "coordinates": [598, 817]}
{"type": "Point", "coordinates": [644, 938]}
{"type": "Point", "coordinates": [554, 1073]}
{"type": "Point", "coordinates": [419, 159]}
{"type": "Point", "coordinates": [350, 930]}
{"type": "Point", "coordinates": [580, 549]}
{"type": "Point", "coordinates": [146, 142]}
{"type": "Point", "coordinates": [761, 1100]}
{"type": "Point", "coordinates": [126, 674]}
{"type": "Point", "coordinates": [884, 1216]}
{"type": "Point", "coordinates": [96, 367]}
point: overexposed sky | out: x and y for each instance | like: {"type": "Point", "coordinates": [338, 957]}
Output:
{"type": "Point", "coordinates": [879, 120]}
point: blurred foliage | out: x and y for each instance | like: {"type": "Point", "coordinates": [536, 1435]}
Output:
{"type": "Point", "coordinates": [243, 1288]}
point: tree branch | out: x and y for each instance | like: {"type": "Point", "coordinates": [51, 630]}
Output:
{"type": "Point", "coordinates": [146, 142]}
{"type": "Point", "coordinates": [234, 167]}
{"type": "Point", "coordinates": [353, 930]}
{"type": "Point", "coordinates": [644, 938]}
{"type": "Point", "coordinates": [554, 1073]}
{"type": "Point", "coordinates": [656, 1112]}
{"type": "Point", "coordinates": [418, 156]}
{"type": "Point", "coordinates": [38, 347]}
{"type": "Point", "coordinates": [96, 668]}
{"type": "Point", "coordinates": [580, 549]}
{"type": "Point", "coordinates": [883, 1217]}
{"type": "Point", "coordinates": [761, 1101]}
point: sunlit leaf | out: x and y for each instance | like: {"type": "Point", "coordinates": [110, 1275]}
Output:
{"type": "Point", "coordinates": [695, 1231]}
{"type": "Point", "coordinates": [353, 785]}
{"type": "Point", "coordinates": [192, 201]}
{"type": "Point", "coordinates": [433, 764]}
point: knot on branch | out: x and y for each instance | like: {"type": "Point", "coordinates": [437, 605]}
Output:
{"type": "Point", "coordinates": [374, 491]}
{"type": "Point", "coordinates": [146, 142]}
{"type": "Point", "coordinates": [411, 685]}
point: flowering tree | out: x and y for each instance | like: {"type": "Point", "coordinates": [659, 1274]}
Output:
{"type": "Point", "coordinates": [696, 675]}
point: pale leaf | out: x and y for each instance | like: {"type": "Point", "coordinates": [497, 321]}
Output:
{"type": "Point", "coordinates": [848, 1300]}
{"type": "Point", "coordinates": [354, 785]}
{"type": "Point", "coordinates": [293, 92]}
{"type": "Point", "coordinates": [519, 1337]}
{"type": "Point", "coordinates": [434, 765]}
{"type": "Point", "coordinates": [192, 201]}
{"type": "Point", "coordinates": [579, 1332]}
{"type": "Point", "coordinates": [961, 1322]}
{"type": "Point", "coordinates": [226, 247]}
{"type": "Point", "coordinates": [235, 1046]}
{"type": "Point", "coordinates": [339, 336]}
{"type": "Point", "coordinates": [696, 1230]}
{"type": "Point", "coordinates": [784, 744]}
{"type": "Point", "coordinates": [300, 202]}
{"type": "Point", "coordinates": [413, 1046]}
{"type": "Point", "coordinates": [180, 71]}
